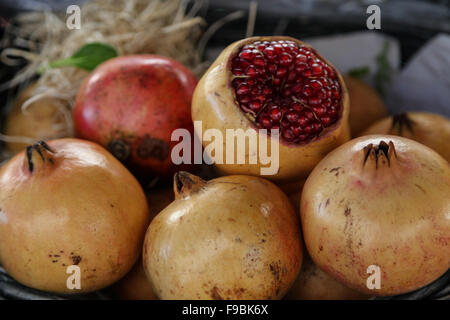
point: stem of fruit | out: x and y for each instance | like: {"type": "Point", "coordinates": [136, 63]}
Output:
{"type": "Point", "coordinates": [186, 184]}
{"type": "Point", "coordinates": [379, 156]}
{"type": "Point", "coordinates": [44, 152]}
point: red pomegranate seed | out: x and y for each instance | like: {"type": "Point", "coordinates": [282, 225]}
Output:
{"type": "Point", "coordinates": [307, 91]}
{"type": "Point", "coordinates": [270, 53]}
{"type": "Point", "coordinates": [242, 89]}
{"type": "Point", "coordinates": [265, 122]}
{"type": "Point", "coordinates": [255, 105]}
{"type": "Point", "coordinates": [285, 59]}
{"type": "Point", "coordinates": [275, 113]}
{"type": "Point", "coordinates": [292, 116]}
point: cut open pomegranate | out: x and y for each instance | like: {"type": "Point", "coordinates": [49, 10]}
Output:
{"type": "Point", "coordinates": [274, 83]}
{"type": "Point", "coordinates": [281, 84]}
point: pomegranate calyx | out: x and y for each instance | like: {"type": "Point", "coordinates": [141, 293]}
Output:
{"type": "Point", "coordinates": [43, 150]}
{"type": "Point", "coordinates": [185, 184]}
{"type": "Point", "coordinates": [379, 154]}
{"type": "Point", "coordinates": [400, 121]}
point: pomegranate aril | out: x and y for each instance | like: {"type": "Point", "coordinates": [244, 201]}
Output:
{"type": "Point", "coordinates": [275, 114]}
{"type": "Point", "coordinates": [270, 53]}
{"type": "Point", "coordinates": [321, 94]}
{"type": "Point", "coordinates": [314, 101]}
{"type": "Point", "coordinates": [316, 69]}
{"type": "Point", "coordinates": [325, 121]}
{"type": "Point", "coordinates": [251, 71]}
{"type": "Point", "coordinates": [281, 72]}
{"type": "Point", "coordinates": [287, 92]}
{"type": "Point", "coordinates": [307, 73]}
{"type": "Point", "coordinates": [307, 91]}
{"type": "Point", "coordinates": [303, 121]}
{"type": "Point", "coordinates": [278, 48]}
{"type": "Point", "coordinates": [244, 99]}
{"type": "Point", "coordinates": [309, 115]}
{"type": "Point", "coordinates": [255, 105]}
{"type": "Point", "coordinates": [272, 68]}
{"type": "Point", "coordinates": [242, 89]}
{"type": "Point", "coordinates": [296, 106]}
{"type": "Point", "coordinates": [267, 90]}
{"type": "Point", "coordinates": [300, 58]}
{"type": "Point", "coordinates": [292, 116]}
{"type": "Point", "coordinates": [299, 68]}
{"type": "Point", "coordinates": [319, 111]}
{"type": "Point", "coordinates": [259, 61]}
{"type": "Point", "coordinates": [238, 72]}
{"type": "Point", "coordinates": [288, 134]}
{"type": "Point", "coordinates": [285, 59]}
{"type": "Point", "coordinates": [285, 122]}
{"type": "Point", "coordinates": [315, 84]}
{"type": "Point", "coordinates": [296, 131]}
{"type": "Point", "coordinates": [264, 120]}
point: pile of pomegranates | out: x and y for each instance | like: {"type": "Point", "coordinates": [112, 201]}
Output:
{"type": "Point", "coordinates": [377, 202]}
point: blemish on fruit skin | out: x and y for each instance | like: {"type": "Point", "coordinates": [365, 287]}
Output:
{"type": "Point", "coordinates": [151, 147]}
{"type": "Point", "coordinates": [420, 188]}
{"type": "Point", "coordinates": [336, 170]}
{"type": "Point", "coordinates": [359, 184]}
{"type": "Point", "coordinates": [76, 260]}
{"type": "Point", "coordinates": [347, 211]}
{"type": "Point", "coordinates": [215, 294]}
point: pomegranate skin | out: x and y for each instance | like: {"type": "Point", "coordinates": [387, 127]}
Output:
{"type": "Point", "coordinates": [314, 284]}
{"type": "Point", "coordinates": [430, 129]}
{"type": "Point", "coordinates": [131, 105]}
{"type": "Point", "coordinates": [391, 211]}
{"type": "Point", "coordinates": [42, 120]}
{"type": "Point", "coordinates": [366, 105]}
{"type": "Point", "coordinates": [214, 104]}
{"type": "Point", "coordinates": [234, 237]}
{"type": "Point", "coordinates": [135, 285]}
{"type": "Point", "coordinates": [82, 207]}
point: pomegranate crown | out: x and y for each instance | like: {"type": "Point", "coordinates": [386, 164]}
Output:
{"type": "Point", "coordinates": [383, 153]}
{"type": "Point", "coordinates": [41, 147]}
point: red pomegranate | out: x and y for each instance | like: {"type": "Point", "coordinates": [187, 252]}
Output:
{"type": "Point", "coordinates": [131, 105]}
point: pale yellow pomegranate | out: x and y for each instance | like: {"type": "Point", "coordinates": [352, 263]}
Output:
{"type": "Point", "coordinates": [234, 237]}
{"type": "Point", "coordinates": [430, 129]}
{"type": "Point", "coordinates": [314, 284]}
{"type": "Point", "coordinates": [43, 119]}
{"type": "Point", "coordinates": [274, 83]}
{"type": "Point", "coordinates": [366, 105]}
{"type": "Point", "coordinates": [135, 285]}
{"type": "Point", "coordinates": [380, 201]}
{"type": "Point", "coordinates": [69, 202]}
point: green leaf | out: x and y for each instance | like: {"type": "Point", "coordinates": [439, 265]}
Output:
{"type": "Point", "coordinates": [87, 57]}
{"type": "Point", "coordinates": [384, 72]}
{"type": "Point", "coordinates": [359, 72]}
